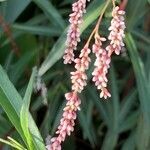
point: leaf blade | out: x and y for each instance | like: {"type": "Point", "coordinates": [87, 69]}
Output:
{"type": "Point", "coordinates": [24, 113]}
{"type": "Point", "coordinates": [12, 102]}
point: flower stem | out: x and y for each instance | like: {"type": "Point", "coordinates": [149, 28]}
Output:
{"type": "Point", "coordinates": [113, 2]}
{"type": "Point", "coordinates": [101, 16]}
{"type": "Point", "coordinates": [95, 31]}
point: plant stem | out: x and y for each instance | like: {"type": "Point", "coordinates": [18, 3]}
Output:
{"type": "Point", "coordinates": [95, 31]}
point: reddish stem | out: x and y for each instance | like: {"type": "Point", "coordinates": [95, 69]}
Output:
{"type": "Point", "coordinates": [123, 4]}
{"type": "Point", "coordinates": [8, 33]}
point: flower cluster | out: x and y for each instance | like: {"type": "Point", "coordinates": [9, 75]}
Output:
{"type": "Point", "coordinates": [67, 122]}
{"type": "Point", "coordinates": [117, 32]}
{"type": "Point", "coordinates": [103, 56]}
{"type": "Point", "coordinates": [101, 67]}
{"type": "Point", "coordinates": [79, 77]}
{"type": "Point", "coordinates": [73, 36]}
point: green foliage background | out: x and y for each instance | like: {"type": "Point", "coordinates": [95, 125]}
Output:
{"type": "Point", "coordinates": [38, 27]}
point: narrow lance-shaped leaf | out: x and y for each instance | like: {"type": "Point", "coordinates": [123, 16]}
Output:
{"type": "Point", "coordinates": [14, 8]}
{"type": "Point", "coordinates": [141, 80]}
{"type": "Point", "coordinates": [112, 135]}
{"type": "Point", "coordinates": [18, 147]}
{"type": "Point", "coordinates": [51, 12]}
{"type": "Point", "coordinates": [12, 102]}
{"type": "Point", "coordinates": [37, 30]}
{"type": "Point", "coordinates": [24, 114]}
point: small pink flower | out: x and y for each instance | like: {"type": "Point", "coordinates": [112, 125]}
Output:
{"type": "Point", "coordinates": [73, 36]}
{"type": "Point", "coordinates": [79, 77]}
{"type": "Point", "coordinates": [97, 46]}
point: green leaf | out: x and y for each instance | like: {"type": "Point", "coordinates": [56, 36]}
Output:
{"type": "Point", "coordinates": [58, 117]}
{"type": "Point", "coordinates": [127, 104]}
{"type": "Point", "coordinates": [140, 75]}
{"type": "Point", "coordinates": [51, 12]}
{"type": "Point", "coordinates": [32, 22]}
{"type": "Point", "coordinates": [139, 8]}
{"type": "Point", "coordinates": [129, 122]}
{"type": "Point", "coordinates": [13, 144]}
{"type": "Point", "coordinates": [115, 99]}
{"type": "Point", "coordinates": [27, 97]}
{"type": "Point", "coordinates": [93, 95]}
{"type": "Point", "coordinates": [86, 127]}
{"type": "Point", "coordinates": [141, 36]}
{"type": "Point", "coordinates": [18, 68]}
{"type": "Point", "coordinates": [24, 113]}
{"type": "Point", "coordinates": [14, 8]}
{"type": "Point", "coordinates": [129, 144]}
{"type": "Point", "coordinates": [109, 141]}
{"type": "Point", "coordinates": [38, 30]}
{"type": "Point", "coordinates": [142, 134]}
{"type": "Point", "coordinates": [8, 101]}
{"type": "Point", "coordinates": [5, 125]}
{"type": "Point", "coordinates": [8, 61]}
{"type": "Point", "coordinates": [12, 102]}
{"type": "Point", "coordinates": [113, 106]}
{"type": "Point", "coordinates": [143, 91]}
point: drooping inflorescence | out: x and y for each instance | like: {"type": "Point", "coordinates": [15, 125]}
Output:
{"type": "Point", "coordinates": [79, 76]}
{"type": "Point", "coordinates": [116, 32]}
{"type": "Point", "coordinates": [101, 67]}
{"type": "Point", "coordinates": [103, 56]}
{"type": "Point", "coordinates": [73, 35]}
{"type": "Point", "coordinates": [67, 122]}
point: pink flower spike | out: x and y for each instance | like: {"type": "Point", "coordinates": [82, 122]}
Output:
{"type": "Point", "coordinates": [102, 64]}
{"type": "Point", "coordinates": [103, 57]}
{"type": "Point", "coordinates": [116, 32]}
{"type": "Point", "coordinates": [79, 77]}
{"type": "Point", "coordinates": [73, 35]}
